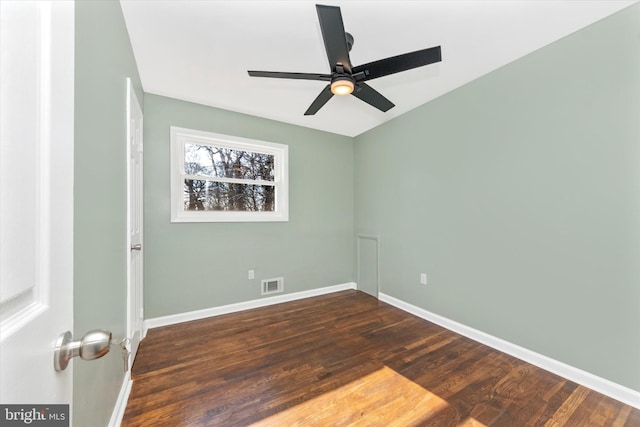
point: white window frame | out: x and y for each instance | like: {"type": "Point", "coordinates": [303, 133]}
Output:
{"type": "Point", "coordinates": [182, 136]}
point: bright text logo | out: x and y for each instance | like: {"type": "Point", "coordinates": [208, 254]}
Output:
{"type": "Point", "coordinates": [36, 415]}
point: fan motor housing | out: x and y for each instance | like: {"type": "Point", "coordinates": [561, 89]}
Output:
{"type": "Point", "coordinates": [342, 76]}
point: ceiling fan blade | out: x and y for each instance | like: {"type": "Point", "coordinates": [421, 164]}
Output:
{"type": "Point", "coordinates": [396, 64]}
{"type": "Point", "coordinates": [322, 99]}
{"type": "Point", "coordinates": [282, 75]}
{"type": "Point", "coordinates": [335, 41]}
{"type": "Point", "coordinates": [372, 97]}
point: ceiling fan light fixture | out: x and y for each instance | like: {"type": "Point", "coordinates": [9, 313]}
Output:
{"type": "Point", "coordinates": [343, 75]}
{"type": "Point", "coordinates": [341, 87]}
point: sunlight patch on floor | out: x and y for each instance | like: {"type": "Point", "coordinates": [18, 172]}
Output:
{"type": "Point", "coordinates": [472, 422]}
{"type": "Point", "coordinates": [382, 398]}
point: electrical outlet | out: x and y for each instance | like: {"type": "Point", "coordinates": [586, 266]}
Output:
{"type": "Point", "coordinates": [251, 275]}
{"type": "Point", "coordinates": [423, 278]}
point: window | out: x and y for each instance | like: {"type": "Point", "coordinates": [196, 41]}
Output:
{"type": "Point", "coordinates": [220, 178]}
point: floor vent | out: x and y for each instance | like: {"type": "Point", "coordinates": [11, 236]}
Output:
{"type": "Point", "coordinates": [272, 286]}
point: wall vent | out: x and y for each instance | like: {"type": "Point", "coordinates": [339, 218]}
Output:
{"type": "Point", "coordinates": [272, 286]}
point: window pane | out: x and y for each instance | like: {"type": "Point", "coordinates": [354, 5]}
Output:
{"type": "Point", "coordinates": [227, 163]}
{"type": "Point", "coordinates": [201, 195]}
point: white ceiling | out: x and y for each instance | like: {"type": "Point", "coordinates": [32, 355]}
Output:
{"type": "Point", "coordinates": [200, 51]}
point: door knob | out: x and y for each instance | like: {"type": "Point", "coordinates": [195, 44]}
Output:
{"type": "Point", "coordinates": [136, 247]}
{"type": "Point", "coordinates": [93, 345]}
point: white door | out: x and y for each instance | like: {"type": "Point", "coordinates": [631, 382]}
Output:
{"type": "Point", "coordinates": [36, 198]}
{"type": "Point", "coordinates": [134, 189]}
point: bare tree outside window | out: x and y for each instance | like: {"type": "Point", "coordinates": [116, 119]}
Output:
{"type": "Point", "coordinates": [225, 179]}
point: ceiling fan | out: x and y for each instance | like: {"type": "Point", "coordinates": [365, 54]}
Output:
{"type": "Point", "coordinates": [346, 79]}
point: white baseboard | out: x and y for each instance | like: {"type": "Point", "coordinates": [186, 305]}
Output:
{"type": "Point", "coordinates": [616, 391]}
{"type": "Point", "coordinates": [121, 403]}
{"type": "Point", "coordinates": [241, 306]}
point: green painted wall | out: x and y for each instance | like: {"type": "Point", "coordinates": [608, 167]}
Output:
{"type": "Point", "coordinates": [103, 61]}
{"type": "Point", "coordinates": [519, 195]}
{"type": "Point", "coordinates": [192, 266]}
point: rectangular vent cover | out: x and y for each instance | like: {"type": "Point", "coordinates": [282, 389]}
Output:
{"type": "Point", "coordinates": [272, 286]}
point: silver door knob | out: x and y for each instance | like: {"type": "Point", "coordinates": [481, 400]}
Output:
{"type": "Point", "coordinates": [93, 345]}
{"type": "Point", "coordinates": [136, 247]}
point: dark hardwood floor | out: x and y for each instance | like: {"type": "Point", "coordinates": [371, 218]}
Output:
{"type": "Point", "coordinates": [346, 359]}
